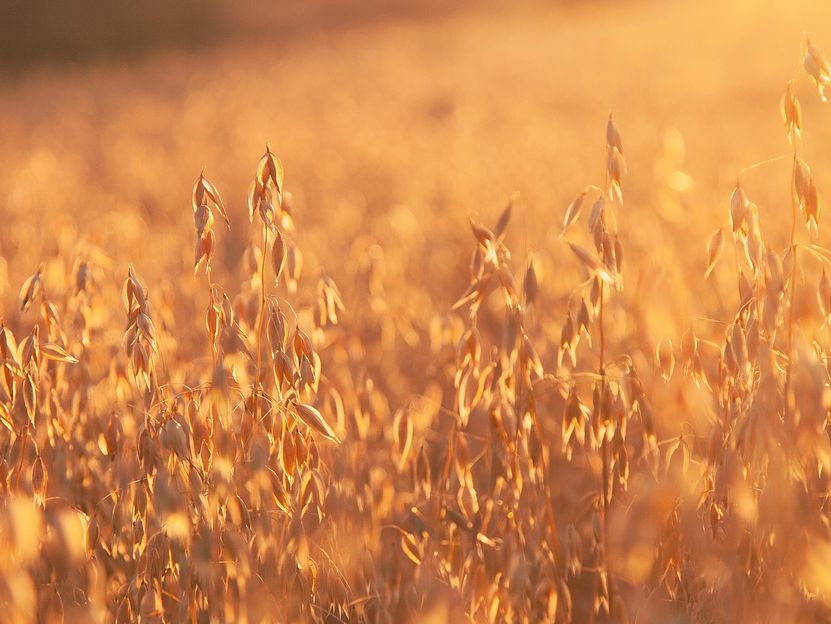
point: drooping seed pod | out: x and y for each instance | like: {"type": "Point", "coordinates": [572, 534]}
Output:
{"type": "Point", "coordinates": [817, 68]}
{"type": "Point", "coordinates": [265, 194]}
{"type": "Point", "coordinates": [575, 417]}
{"type": "Point", "coordinates": [501, 226]}
{"type": "Point", "coordinates": [278, 255]}
{"type": "Point", "coordinates": [31, 289]}
{"type": "Point", "coordinates": [573, 212]}
{"type": "Point", "coordinates": [40, 478]}
{"type": "Point", "coordinates": [584, 319]}
{"type": "Point", "coordinates": [665, 357]}
{"type": "Point", "coordinates": [530, 286]}
{"type": "Point", "coordinates": [739, 211]}
{"type": "Point", "coordinates": [568, 342]}
{"type": "Point", "coordinates": [204, 251]}
{"type": "Point", "coordinates": [613, 140]}
{"type": "Point", "coordinates": [714, 248]}
{"type": "Point", "coordinates": [205, 193]}
{"type": "Point", "coordinates": [616, 169]}
{"type": "Point", "coordinates": [315, 421]}
{"type": "Point", "coordinates": [791, 111]}
{"type": "Point", "coordinates": [277, 327]}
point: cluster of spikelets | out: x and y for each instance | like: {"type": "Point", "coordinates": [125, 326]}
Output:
{"type": "Point", "coordinates": [276, 483]}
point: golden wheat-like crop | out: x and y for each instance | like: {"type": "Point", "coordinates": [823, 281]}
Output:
{"type": "Point", "coordinates": [243, 441]}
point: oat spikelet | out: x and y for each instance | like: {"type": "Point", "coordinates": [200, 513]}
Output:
{"type": "Point", "coordinates": [714, 248]}
{"type": "Point", "coordinates": [313, 418]}
{"type": "Point", "coordinates": [817, 68]}
{"type": "Point", "coordinates": [791, 111]}
{"type": "Point", "coordinates": [31, 289]}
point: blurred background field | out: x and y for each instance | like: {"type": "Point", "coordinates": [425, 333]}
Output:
{"type": "Point", "coordinates": [396, 122]}
{"type": "Point", "coordinates": [394, 127]}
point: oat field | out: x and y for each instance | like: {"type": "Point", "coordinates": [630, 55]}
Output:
{"type": "Point", "coordinates": [508, 313]}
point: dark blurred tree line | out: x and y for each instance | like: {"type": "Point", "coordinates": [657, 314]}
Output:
{"type": "Point", "coordinates": [78, 30]}
{"type": "Point", "coordinates": [49, 31]}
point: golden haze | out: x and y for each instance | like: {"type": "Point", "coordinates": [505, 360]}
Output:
{"type": "Point", "coordinates": [387, 319]}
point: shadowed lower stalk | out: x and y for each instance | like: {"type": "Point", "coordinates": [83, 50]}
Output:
{"type": "Point", "coordinates": [604, 453]}
{"type": "Point", "coordinates": [604, 444]}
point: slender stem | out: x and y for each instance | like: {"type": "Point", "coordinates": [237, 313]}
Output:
{"type": "Point", "coordinates": [25, 435]}
{"type": "Point", "coordinates": [549, 508]}
{"type": "Point", "coordinates": [604, 455]}
{"type": "Point", "coordinates": [604, 446]}
{"type": "Point", "coordinates": [211, 303]}
{"type": "Point", "coordinates": [789, 368]}
{"type": "Point", "coordinates": [448, 462]}
{"type": "Point", "coordinates": [258, 376]}
{"type": "Point", "coordinates": [602, 363]}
